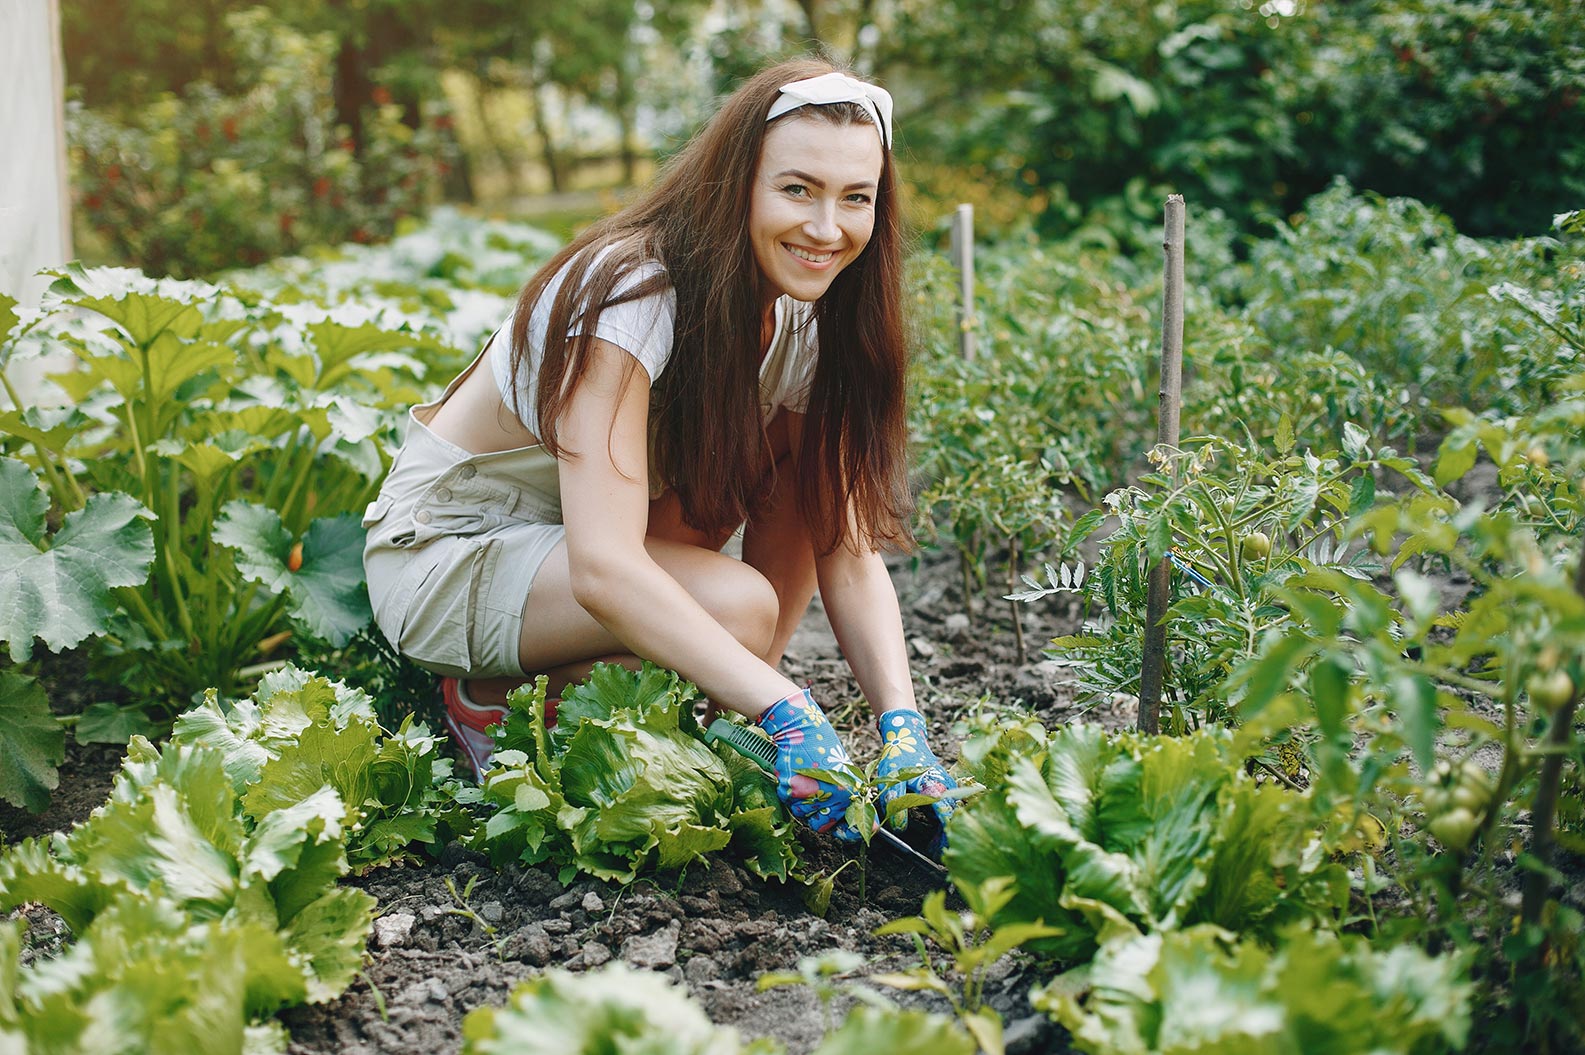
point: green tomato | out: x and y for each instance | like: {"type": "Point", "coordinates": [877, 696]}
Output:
{"type": "Point", "coordinates": [1551, 690]}
{"type": "Point", "coordinates": [1256, 545]}
{"type": "Point", "coordinates": [1454, 829]}
{"type": "Point", "coordinates": [1471, 797]}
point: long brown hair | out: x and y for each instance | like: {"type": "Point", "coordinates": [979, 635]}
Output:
{"type": "Point", "coordinates": [709, 440]}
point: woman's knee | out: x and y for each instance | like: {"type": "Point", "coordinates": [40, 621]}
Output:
{"type": "Point", "coordinates": [745, 603]}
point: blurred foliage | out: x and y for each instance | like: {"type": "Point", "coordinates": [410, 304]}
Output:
{"type": "Point", "coordinates": [1087, 115]}
{"type": "Point", "coordinates": [187, 185]}
{"type": "Point", "coordinates": [1472, 106]}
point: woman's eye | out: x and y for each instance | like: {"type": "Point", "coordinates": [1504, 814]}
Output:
{"type": "Point", "coordinates": [859, 199]}
{"type": "Point", "coordinates": [796, 189]}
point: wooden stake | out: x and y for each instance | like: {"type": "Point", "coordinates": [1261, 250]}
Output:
{"type": "Point", "coordinates": [1152, 672]}
{"type": "Point", "coordinates": [963, 258]}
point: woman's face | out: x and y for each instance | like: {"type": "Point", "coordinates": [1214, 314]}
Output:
{"type": "Point", "coordinates": [813, 205]}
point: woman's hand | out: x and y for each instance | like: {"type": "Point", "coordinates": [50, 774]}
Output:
{"type": "Point", "coordinates": [805, 741]}
{"type": "Point", "coordinates": [904, 746]}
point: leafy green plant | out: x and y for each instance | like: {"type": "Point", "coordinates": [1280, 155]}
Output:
{"type": "Point", "coordinates": [1395, 689]}
{"type": "Point", "coordinates": [301, 729]}
{"type": "Point", "coordinates": [1205, 989]}
{"type": "Point", "coordinates": [1238, 525]}
{"type": "Point", "coordinates": [972, 945]}
{"type": "Point", "coordinates": [239, 437]}
{"type": "Point", "coordinates": [1095, 829]}
{"type": "Point", "coordinates": [203, 895]}
{"type": "Point", "coordinates": [610, 1009]}
{"type": "Point", "coordinates": [623, 783]}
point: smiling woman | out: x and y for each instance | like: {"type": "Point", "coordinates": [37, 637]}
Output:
{"type": "Point", "coordinates": [726, 352]}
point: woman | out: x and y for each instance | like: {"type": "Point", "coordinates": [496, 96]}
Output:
{"type": "Point", "coordinates": [728, 351]}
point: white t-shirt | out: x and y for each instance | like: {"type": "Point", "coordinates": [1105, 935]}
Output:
{"type": "Point", "coordinates": [643, 328]}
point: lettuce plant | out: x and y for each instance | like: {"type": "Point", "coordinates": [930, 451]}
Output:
{"type": "Point", "coordinates": [204, 893]}
{"type": "Point", "coordinates": [619, 1009]}
{"type": "Point", "coordinates": [207, 475]}
{"type": "Point", "coordinates": [1095, 829]}
{"type": "Point", "coordinates": [1204, 989]}
{"type": "Point", "coordinates": [623, 782]}
{"type": "Point", "coordinates": [612, 1009]}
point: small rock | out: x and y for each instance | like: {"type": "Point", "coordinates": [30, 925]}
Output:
{"type": "Point", "coordinates": [726, 878]}
{"type": "Point", "coordinates": [701, 969]}
{"type": "Point", "coordinates": [592, 903]}
{"type": "Point", "coordinates": [393, 928]}
{"type": "Point", "coordinates": [594, 954]}
{"type": "Point", "coordinates": [922, 647]}
{"type": "Point", "coordinates": [565, 901]}
{"type": "Point", "coordinates": [430, 913]}
{"type": "Point", "coordinates": [701, 906]}
{"type": "Point", "coordinates": [956, 625]}
{"type": "Point", "coordinates": [529, 945]}
{"type": "Point", "coordinates": [430, 990]}
{"type": "Point", "coordinates": [653, 951]}
{"type": "Point", "coordinates": [491, 912]}
{"type": "Point", "coordinates": [537, 885]}
{"type": "Point", "coordinates": [556, 926]}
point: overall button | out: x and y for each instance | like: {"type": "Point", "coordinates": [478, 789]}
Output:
{"type": "Point", "coordinates": [467, 472]}
{"type": "Point", "coordinates": [422, 516]}
{"type": "Point", "coordinates": [442, 494]}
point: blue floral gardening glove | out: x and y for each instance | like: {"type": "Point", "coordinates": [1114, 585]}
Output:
{"type": "Point", "coordinates": [805, 740]}
{"type": "Point", "coordinates": [905, 746]}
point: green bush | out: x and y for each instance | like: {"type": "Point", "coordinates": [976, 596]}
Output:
{"type": "Point", "coordinates": [195, 183]}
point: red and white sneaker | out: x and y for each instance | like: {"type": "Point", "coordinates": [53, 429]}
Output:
{"type": "Point", "coordinates": [469, 723]}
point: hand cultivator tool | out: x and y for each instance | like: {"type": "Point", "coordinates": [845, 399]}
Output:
{"type": "Point", "coordinates": [757, 748]}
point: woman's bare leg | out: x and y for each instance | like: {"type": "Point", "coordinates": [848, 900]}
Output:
{"type": "Point", "coordinates": [759, 600]}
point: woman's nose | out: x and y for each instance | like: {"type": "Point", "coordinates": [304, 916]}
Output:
{"type": "Point", "coordinates": [821, 225]}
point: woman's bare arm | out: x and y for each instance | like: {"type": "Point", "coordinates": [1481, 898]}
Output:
{"type": "Point", "coordinates": [605, 506]}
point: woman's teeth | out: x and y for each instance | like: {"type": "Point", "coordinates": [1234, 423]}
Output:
{"type": "Point", "coordinates": [804, 254]}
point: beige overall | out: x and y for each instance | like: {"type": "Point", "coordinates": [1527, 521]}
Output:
{"type": "Point", "coordinates": [455, 540]}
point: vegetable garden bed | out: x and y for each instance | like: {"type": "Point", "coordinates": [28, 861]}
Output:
{"type": "Point", "coordinates": [1361, 831]}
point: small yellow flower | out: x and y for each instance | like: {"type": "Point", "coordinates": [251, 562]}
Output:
{"type": "Point", "coordinates": [898, 742]}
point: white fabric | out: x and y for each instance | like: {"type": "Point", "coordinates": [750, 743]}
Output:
{"type": "Point", "coordinates": [35, 208]}
{"type": "Point", "coordinates": [835, 87]}
{"type": "Point", "coordinates": [643, 329]}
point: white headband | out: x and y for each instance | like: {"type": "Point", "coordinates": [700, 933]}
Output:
{"type": "Point", "coordinates": [835, 87]}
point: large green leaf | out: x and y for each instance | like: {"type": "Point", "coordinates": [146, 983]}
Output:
{"type": "Point", "coordinates": [141, 315]}
{"type": "Point", "coordinates": [322, 754]}
{"type": "Point", "coordinates": [883, 1031]}
{"type": "Point", "coordinates": [330, 934]}
{"type": "Point", "coordinates": [32, 743]}
{"type": "Point", "coordinates": [29, 872]}
{"type": "Point", "coordinates": [613, 1009]}
{"type": "Point", "coordinates": [327, 593]}
{"type": "Point", "coordinates": [1201, 990]}
{"type": "Point", "coordinates": [58, 590]}
{"type": "Point", "coordinates": [52, 428]}
{"type": "Point", "coordinates": [8, 318]}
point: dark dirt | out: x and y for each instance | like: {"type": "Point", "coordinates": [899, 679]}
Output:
{"type": "Point", "coordinates": [86, 774]}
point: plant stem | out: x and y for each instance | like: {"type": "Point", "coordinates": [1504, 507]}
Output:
{"type": "Point", "coordinates": [1537, 884]}
{"type": "Point", "coordinates": [1014, 565]}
